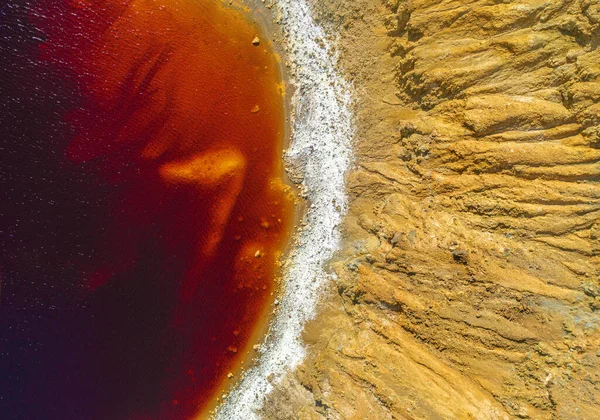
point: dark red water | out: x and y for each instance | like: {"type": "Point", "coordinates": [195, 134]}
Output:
{"type": "Point", "coordinates": [142, 207]}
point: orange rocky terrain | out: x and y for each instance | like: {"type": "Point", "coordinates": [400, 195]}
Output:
{"type": "Point", "coordinates": [468, 284]}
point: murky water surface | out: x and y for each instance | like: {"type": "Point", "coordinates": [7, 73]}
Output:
{"type": "Point", "coordinates": [142, 206]}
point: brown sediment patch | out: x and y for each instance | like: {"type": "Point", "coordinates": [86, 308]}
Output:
{"type": "Point", "coordinates": [160, 187]}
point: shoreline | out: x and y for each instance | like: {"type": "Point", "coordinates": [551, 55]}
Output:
{"type": "Point", "coordinates": [317, 158]}
{"type": "Point", "coordinates": [258, 15]}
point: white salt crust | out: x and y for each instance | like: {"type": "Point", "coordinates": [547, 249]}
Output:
{"type": "Point", "coordinates": [320, 152]}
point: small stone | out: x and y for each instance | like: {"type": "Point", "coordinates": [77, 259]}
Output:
{"type": "Point", "coordinates": [572, 55]}
{"type": "Point", "coordinates": [230, 375]}
{"type": "Point", "coordinates": [460, 257]}
{"type": "Point", "coordinates": [396, 238]}
{"type": "Point", "coordinates": [256, 41]}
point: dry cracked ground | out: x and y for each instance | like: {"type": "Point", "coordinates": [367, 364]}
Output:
{"type": "Point", "coordinates": [468, 285]}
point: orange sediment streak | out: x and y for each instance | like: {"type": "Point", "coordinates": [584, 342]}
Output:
{"type": "Point", "coordinates": [182, 116]}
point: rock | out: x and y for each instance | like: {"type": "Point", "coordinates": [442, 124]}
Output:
{"type": "Point", "coordinates": [490, 142]}
{"type": "Point", "coordinates": [460, 256]}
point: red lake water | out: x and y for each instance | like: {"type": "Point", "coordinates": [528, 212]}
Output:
{"type": "Point", "coordinates": [142, 204]}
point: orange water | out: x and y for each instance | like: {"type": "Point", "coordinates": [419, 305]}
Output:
{"type": "Point", "coordinates": [154, 207]}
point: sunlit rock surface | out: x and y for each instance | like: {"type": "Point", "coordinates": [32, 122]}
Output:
{"type": "Point", "coordinates": [468, 286]}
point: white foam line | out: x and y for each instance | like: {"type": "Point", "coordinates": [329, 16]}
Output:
{"type": "Point", "coordinates": [321, 152]}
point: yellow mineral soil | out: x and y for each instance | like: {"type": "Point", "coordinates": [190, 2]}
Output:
{"type": "Point", "coordinates": [468, 283]}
